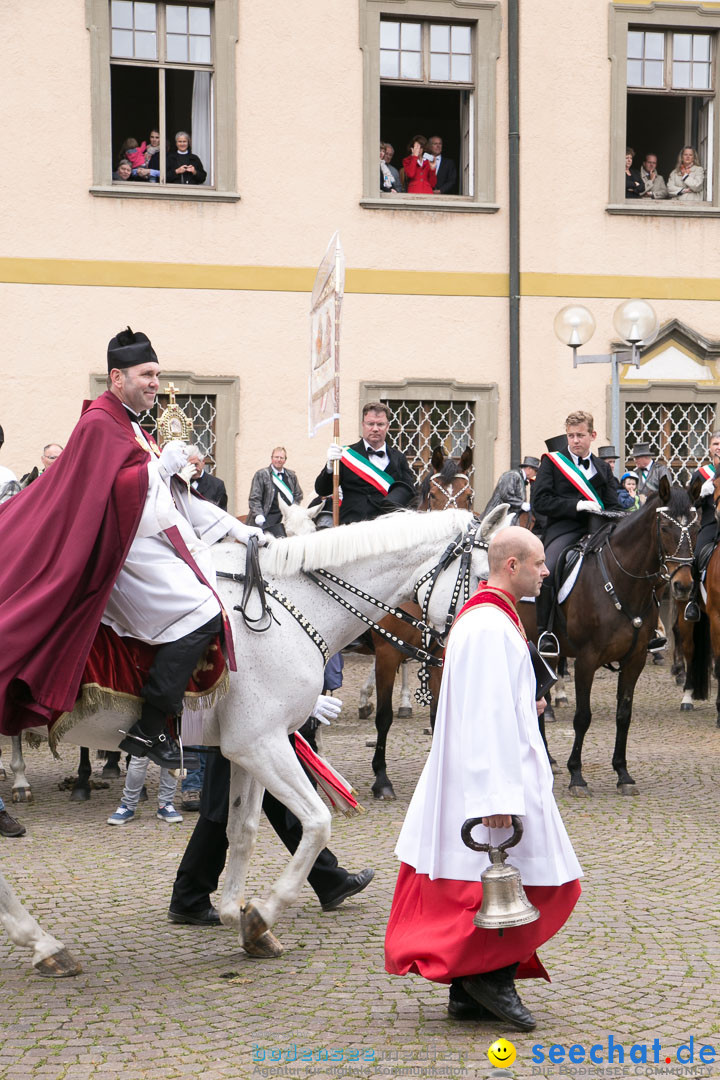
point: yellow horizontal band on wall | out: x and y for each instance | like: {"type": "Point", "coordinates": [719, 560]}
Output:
{"type": "Point", "coordinates": [149, 275]}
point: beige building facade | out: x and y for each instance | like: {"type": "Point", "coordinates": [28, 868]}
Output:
{"type": "Point", "coordinates": [286, 104]}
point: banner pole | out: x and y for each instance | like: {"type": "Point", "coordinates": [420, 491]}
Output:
{"type": "Point", "coordinates": [336, 420]}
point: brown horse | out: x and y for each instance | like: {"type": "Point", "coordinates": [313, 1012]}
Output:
{"type": "Point", "coordinates": [612, 611]}
{"type": "Point", "coordinates": [691, 643]}
{"type": "Point", "coordinates": [706, 638]}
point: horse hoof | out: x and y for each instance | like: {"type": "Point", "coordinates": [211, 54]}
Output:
{"type": "Point", "coordinates": [385, 793]}
{"type": "Point", "coordinates": [80, 794]}
{"type": "Point", "coordinates": [580, 791]}
{"type": "Point", "coordinates": [110, 772]}
{"type": "Point", "coordinates": [561, 699]}
{"type": "Point", "coordinates": [266, 947]}
{"type": "Point", "coordinates": [627, 789]}
{"type": "Point", "coordinates": [61, 965]}
{"type": "Point", "coordinates": [3, 774]}
{"type": "Point", "coordinates": [687, 706]}
{"type": "Point", "coordinates": [371, 742]}
{"type": "Point", "coordinates": [365, 712]}
{"type": "Point", "coordinates": [549, 712]}
{"type": "Point", "coordinates": [21, 795]}
{"type": "Point", "coordinates": [427, 731]}
{"type": "Point", "coordinates": [404, 712]}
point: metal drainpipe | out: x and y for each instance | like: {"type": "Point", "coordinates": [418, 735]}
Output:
{"type": "Point", "coordinates": [514, 234]}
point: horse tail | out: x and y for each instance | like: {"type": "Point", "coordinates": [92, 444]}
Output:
{"type": "Point", "coordinates": [699, 673]}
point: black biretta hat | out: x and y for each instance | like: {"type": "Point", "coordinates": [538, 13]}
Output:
{"type": "Point", "coordinates": [558, 444]}
{"type": "Point", "coordinates": [127, 349]}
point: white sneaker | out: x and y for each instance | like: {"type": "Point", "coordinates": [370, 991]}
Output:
{"type": "Point", "coordinates": [169, 813]}
{"type": "Point", "coordinates": [122, 815]}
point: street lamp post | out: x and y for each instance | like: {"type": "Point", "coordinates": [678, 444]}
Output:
{"type": "Point", "coordinates": [636, 323]}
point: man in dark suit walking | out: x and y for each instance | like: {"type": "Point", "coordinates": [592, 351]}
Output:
{"type": "Point", "coordinates": [369, 469]}
{"type": "Point", "coordinates": [210, 487]}
{"type": "Point", "coordinates": [571, 484]}
{"type": "Point", "coordinates": [446, 169]}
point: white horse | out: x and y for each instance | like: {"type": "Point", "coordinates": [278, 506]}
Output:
{"type": "Point", "coordinates": [280, 674]}
{"type": "Point", "coordinates": [50, 957]}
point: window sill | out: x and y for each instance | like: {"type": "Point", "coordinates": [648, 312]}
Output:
{"type": "Point", "coordinates": [664, 208]}
{"type": "Point", "coordinates": [454, 204]}
{"type": "Point", "coordinates": [134, 190]}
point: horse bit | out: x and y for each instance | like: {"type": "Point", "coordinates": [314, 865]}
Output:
{"type": "Point", "coordinates": [461, 547]}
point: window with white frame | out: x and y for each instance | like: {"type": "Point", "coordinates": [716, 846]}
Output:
{"type": "Point", "coordinates": [430, 70]}
{"type": "Point", "coordinates": [161, 80]}
{"type": "Point", "coordinates": [670, 101]}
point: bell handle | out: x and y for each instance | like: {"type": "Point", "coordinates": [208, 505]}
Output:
{"type": "Point", "coordinates": [471, 823]}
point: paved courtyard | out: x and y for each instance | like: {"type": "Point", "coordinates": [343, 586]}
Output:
{"type": "Point", "coordinates": [638, 962]}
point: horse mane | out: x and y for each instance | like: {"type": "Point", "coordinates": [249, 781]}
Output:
{"type": "Point", "coordinates": [449, 471]}
{"type": "Point", "coordinates": [337, 547]}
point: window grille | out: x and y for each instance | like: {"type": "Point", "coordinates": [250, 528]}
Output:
{"type": "Point", "coordinates": [200, 409]}
{"type": "Point", "coordinates": [677, 432]}
{"type": "Point", "coordinates": [417, 427]}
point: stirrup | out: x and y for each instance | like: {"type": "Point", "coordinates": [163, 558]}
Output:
{"type": "Point", "coordinates": [692, 611]}
{"type": "Point", "coordinates": [549, 647]}
{"type": "Point", "coordinates": [658, 643]}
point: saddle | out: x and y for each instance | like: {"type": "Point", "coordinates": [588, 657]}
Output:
{"type": "Point", "coordinates": [568, 565]}
{"type": "Point", "coordinates": [703, 557]}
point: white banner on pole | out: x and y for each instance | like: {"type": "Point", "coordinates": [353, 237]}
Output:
{"type": "Point", "coordinates": [325, 307]}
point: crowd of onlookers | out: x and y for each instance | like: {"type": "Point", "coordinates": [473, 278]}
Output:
{"type": "Point", "coordinates": [142, 162]}
{"type": "Point", "coordinates": [685, 182]}
{"type": "Point", "coordinates": [425, 170]}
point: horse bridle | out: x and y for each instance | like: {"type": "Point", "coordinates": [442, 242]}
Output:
{"type": "Point", "coordinates": [452, 502]}
{"type": "Point", "coordinates": [461, 547]}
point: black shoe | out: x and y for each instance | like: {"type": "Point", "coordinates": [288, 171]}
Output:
{"type": "Point", "coordinates": [462, 1007]}
{"type": "Point", "coordinates": [353, 883]}
{"type": "Point", "coordinates": [161, 749]}
{"type": "Point", "coordinates": [191, 801]}
{"type": "Point", "coordinates": [549, 647]}
{"type": "Point", "coordinates": [692, 611]}
{"type": "Point", "coordinates": [9, 826]}
{"type": "Point", "coordinates": [495, 990]}
{"type": "Point", "coordinates": [657, 643]}
{"type": "Point", "coordinates": [208, 917]}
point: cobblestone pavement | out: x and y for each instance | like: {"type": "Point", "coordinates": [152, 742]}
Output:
{"type": "Point", "coordinates": [638, 961]}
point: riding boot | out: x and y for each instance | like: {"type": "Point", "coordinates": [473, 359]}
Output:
{"type": "Point", "coordinates": [692, 608]}
{"type": "Point", "coordinates": [548, 645]}
{"type": "Point", "coordinates": [149, 737]}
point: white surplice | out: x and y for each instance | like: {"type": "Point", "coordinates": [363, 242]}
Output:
{"type": "Point", "coordinates": [487, 758]}
{"type": "Point", "coordinates": [157, 597]}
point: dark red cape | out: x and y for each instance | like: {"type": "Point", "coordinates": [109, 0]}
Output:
{"type": "Point", "coordinates": [63, 541]}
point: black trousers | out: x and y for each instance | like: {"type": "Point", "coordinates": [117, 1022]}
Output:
{"type": "Point", "coordinates": [204, 858]}
{"type": "Point", "coordinates": [172, 667]}
{"type": "Point", "coordinates": [544, 602]}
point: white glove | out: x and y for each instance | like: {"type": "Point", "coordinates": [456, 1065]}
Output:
{"type": "Point", "coordinates": [334, 454]}
{"type": "Point", "coordinates": [173, 458]}
{"type": "Point", "coordinates": [242, 533]}
{"type": "Point", "coordinates": [326, 709]}
{"type": "Point", "coordinates": [586, 505]}
{"type": "Point", "coordinates": [259, 519]}
{"type": "Point", "coordinates": [525, 506]}
{"type": "Point", "coordinates": [708, 488]}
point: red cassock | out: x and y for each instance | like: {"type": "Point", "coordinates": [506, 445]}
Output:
{"type": "Point", "coordinates": [64, 539]}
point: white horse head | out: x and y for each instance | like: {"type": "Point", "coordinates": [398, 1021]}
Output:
{"type": "Point", "coordinates": [298, 520]}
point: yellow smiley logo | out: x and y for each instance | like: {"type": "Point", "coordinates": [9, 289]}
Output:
{"type": "Point", "coordinates": [502, 1053]}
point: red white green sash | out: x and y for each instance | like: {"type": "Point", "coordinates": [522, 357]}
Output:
{"type": "Point", "coordinates": [365, 469]}
{"type": "Point", "coordinates": [572, 473]}
{"type": "Point", "coordinates": [283, 489]}
{"type": "Point", "coordinates": [707, 472]}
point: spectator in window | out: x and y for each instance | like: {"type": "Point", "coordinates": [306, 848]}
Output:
{"type": "Point", "coordinates": [686, 180]}
{"type": "Point", "coordinates": [124, 171]}
{"type": "Point", "coordinates": [634, 186]}
{"type": "Point", "coordinates": [444, 167]}
{"type": "Point", "coordinates": [419, 170]}
{"type": "Point", "coordinates": [184, 167]}
{"type": "Point", "coordinates": [655, 187]}
{"type": "Point", "coordinates": [389, 177]}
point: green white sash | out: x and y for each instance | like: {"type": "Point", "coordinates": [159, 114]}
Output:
{"type": "Point", "coordinates": [365, 469]}
{"type": "Point", "coordinates": [707, 472]}
{"type": "Point", "coordinates": [572, 473]}
{"type": "Point", "coordinates": [282, 488]}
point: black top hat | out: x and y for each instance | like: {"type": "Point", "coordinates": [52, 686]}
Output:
{"type": "Point", "coordinates": [127, 349]}
{"type": "Point", "coordinates": [557, 444]}
{"type": "Point", "coordinates": [400, 494]}
{"type": "Point", "coordinates": [642, 449]}
{"type": "Point", "coordinates": [530, 462]}
{"type": "Point", "coordinates": [606, 452]}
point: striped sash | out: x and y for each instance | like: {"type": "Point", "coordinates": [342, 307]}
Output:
{"type": "Point", "coordinates": [365, 469]}
{"type": "Point", "coordinates": [572, 473]}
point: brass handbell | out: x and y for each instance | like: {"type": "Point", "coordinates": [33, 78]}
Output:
{"type": "Point", "coordinates": [504, 902]}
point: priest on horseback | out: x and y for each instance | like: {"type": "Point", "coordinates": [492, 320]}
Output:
{"type": "Point", "coordinates": [571, 484]}
{"type": "Point", "coordinates": [110, 535]}
{"type": "Point", "coordinates": [708, 524]}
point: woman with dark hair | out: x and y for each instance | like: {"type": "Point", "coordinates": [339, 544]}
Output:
{"type": "Point", "coordinates": [184, 167]}
{"type": "Point", "coordinates": [634, 186]}
{"type": "Point", "coordinates": [420, 171]}
{"type": "Point", "coordinates": [687, 178]}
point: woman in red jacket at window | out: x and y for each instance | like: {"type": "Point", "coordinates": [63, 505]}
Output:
{"type": "Point", "coordinates": [421, 172]}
